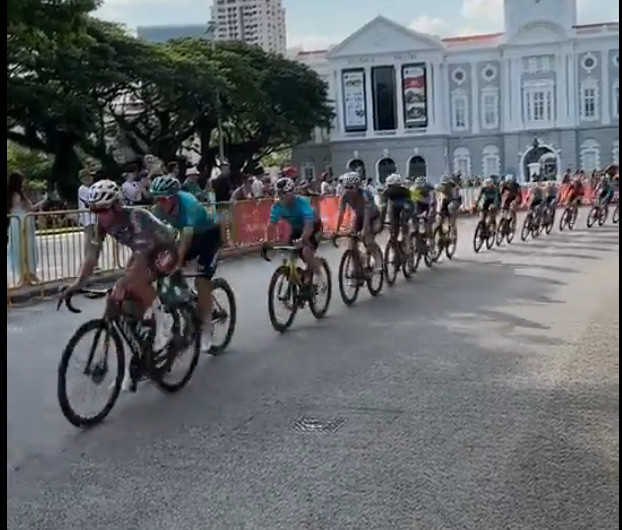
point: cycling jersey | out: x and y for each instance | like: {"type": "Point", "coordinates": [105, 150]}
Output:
{"type": "Point", "coordinates": [513, 190]}
{"type": "Point", "coordinates": [447, 189]}
{"type": "Point", "coordinates": [296, 215]}
{"type": "Point", "coordinates": [188, 213]}
{"type": "Point", "coordinates": [139, 230]}
{"type": "Point", "coordinates": [422, 194]}
{"type": "Point", "coordinates": [490, 194]}
{"type": "Point", "coordinates": [398, 195]}
{"type": "Point", "coordinates": [551, 192]}
{"type": "Point", "coordinates": [362, 202]}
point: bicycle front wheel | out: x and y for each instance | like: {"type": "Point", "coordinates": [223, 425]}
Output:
{"type": "Point", "coordinates": [322, 287]}
{"type": "Point", "coordinates": [95, 369]}
{"type": "Point", "coordinates": [282, 291]}
{"type": "Point", "coordinates": [349, 278]}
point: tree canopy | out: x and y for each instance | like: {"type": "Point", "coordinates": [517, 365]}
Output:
{"type": "Point", "coordinates": [80, 87]}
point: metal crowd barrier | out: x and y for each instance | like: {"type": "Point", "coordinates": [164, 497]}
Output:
{"type": "Point", "coordinates": [49, 247]}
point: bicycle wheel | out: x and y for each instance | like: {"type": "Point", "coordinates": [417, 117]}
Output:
{"type": "Point", "coordinates": [322, 288]}
{"type": "Point", "coordinates": [564, 220]}
{"type": "Point", "coordinates": [511, 233]}
{"type": "Point", "coordinates": [526, 228]}
{"type": "Point", "coordinates": [478, 240]}
{"type": "Point", "coordinates": [222, 317]}
{"type": "Point", "coordinates": [492, 234]}
{"type": "Point", "coordinates": [391, 262]}
{"type": "Point", "coordinates": [416, 244]}
{"type": "Point", "coordinates": [573, 218]}
{"type": "Point", "coordinates": [440, 239]}
{"type": "Point", "coordinates": [374, 261]}
{"type": "Point", "coordinates": [287, 292]}
{"type": "Point", "coordinates": [615, 218]}
{"type": "Point", "coordinates": [186, 333]}
{"type": "Point", "coordinates": [592, 217]}
{"type": "Point", "coordinates": [407, 260]}
{"type": "Point", "coordinates": [349, 276]}
{"type": "Point", "coordinates": [452, 243]}
{"type": "Point", "coordinates": [501, 232]}
{"type": "Point", "coordinates": [96, 372]}
{"type": "Point", "coordinates": [604, 214]}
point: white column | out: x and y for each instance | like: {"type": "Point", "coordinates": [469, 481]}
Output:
{"type": "Point", "coordinates": [399, 101]}
{"type": "Point", "coordinates": [446, 101]}
{"type": "Point", "coordinates": [437, 94]}
{"type": "Point", "coordinates": [340, 126]}
{"type": "Point", "coordinates": [505, 97]}
{"type": "Point", "coordinates": [429, 90]}
{"type": "Point", "coordinates": [475, 117]}
{"type": "Point", "coordinates": [605, 107]}
{"type": "Point", "coordinates": [516, 90]}
{"type": "Point", "coordinates": [560, 90]}
{"type": "Point", "coordinates": [369, 101]}
{"type": "Point", "coordinates": [573, 103]}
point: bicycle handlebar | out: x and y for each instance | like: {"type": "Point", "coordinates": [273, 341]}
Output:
{"type": "Point", "coordinates": [281, 248]}
{"type": "Point", "coordinates": [91, 294]}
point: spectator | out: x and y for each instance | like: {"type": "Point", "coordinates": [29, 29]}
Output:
{"type": "Point", "coordinates": [20, 223]}
{"type": "Point", "coordinates": [221, 185]}
{"type": "Point", "coordinates": [257, 186]}
{"type": "Point", "coordinates": [244, 192]}
{"type": "Point", "coordinates": [191, 184]}
{"type": "Point", "coordinates": [87, 221]}
{"type": "Point", "coordinates": [130, 189]}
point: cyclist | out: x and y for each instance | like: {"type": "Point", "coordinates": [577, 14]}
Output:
{"type": "Point", "coordinates": [200, 239]}
{"type": "Point", "coordinates": [361, 201]}
{"type": "Point", "coordinates": [397, 196]}
{"type": "Point", "coordinates": [550, 197]}
{"type": "Point", "coordinates": [536, 201]}
{"type": "Point", "coordinates": [305, 225]}
{"type": "Point", "coordinates": [511, 193]}
{"type": "Point", "coordinates": [449, 192]}
{"type": "Point", "coordinates": [153, 247]}
{"type": "Point", "coordinates": [490, 198]}
{"type": "Point", "coordinates": [604, 190]}
{"type": "Point", "coordinates": [575, 192]}
{"type": "Point", "coordinates": [424, 201]}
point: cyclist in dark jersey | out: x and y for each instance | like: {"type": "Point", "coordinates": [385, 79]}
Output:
{"type": "Point", "coordinates": [489, 198]}
{"type": "Point", "coordinates": [362, 203]}
{"type": "Point", "coordinates": [511, 193]}
{"type": "Point", "coordinates": [397, 196]}
{"type": "Point", "coordinates": [153, 249]}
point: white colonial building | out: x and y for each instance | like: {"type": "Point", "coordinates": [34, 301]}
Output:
{"type": "Point", "coordinates": [541, 97]}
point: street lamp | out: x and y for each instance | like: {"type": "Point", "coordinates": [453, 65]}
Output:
{"type": "Point", "coordinates": [210, 33]}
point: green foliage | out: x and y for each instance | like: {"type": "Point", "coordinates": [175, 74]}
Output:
{"type": "Point", "coordinates": [35, 165]}
{"type": "Point", "coordinates": [78, 86]}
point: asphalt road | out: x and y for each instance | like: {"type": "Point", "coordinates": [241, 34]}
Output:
{"type": "Point", "coordinates": [482, 395]}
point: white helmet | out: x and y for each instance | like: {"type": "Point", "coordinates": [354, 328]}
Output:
{"type": "Point", "coordinates": [488, 181]}
{"type": "Point", "coordinates": [509, 178]}
{"type": "Point", "coordinates": [285, 185]}
{"type": "Point", "coordinates": [421, 181]}
{"type": "Point", "coordinates": [393, 180]}
{"type": "Point", "coordinates": [103, 194]}
{"type": "Point", "coordinates": [350, 179]}
{"type": "Point", "coordinates": [445, 179]}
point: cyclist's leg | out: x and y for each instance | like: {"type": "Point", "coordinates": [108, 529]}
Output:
{"type": "Point", "coordinates": [206, 247]}
{"type": "Point", "coordinates": [309, 249]}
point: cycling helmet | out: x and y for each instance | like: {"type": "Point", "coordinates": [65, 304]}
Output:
{"type": "Point", "coordinates": [446, 179]}
{"type": "Point", "coordinates": [103, 194]}
{"type": "Point", "coordinates": [421, 181]}
{"type": "Point", "coordinates": [489, 182]}
{"type": "Point", "coordinates": [351, 179]}
{"type": "Point", "coordinates": [165, 186]}
{"type": "Point", "coordinates": [393, 180]}
{"type": "Point", "coordinates": [509, 178]}
{"type": "Point", "coordinates": [285, 185]}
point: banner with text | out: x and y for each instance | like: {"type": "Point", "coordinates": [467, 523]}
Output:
{"type": "Point", "coordinates": [415, 95]}
{"type": "Point", "coordinates": [354, 104]}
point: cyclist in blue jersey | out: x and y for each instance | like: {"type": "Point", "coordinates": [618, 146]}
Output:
{"type": "Point", "coordinates": [200, 239]}
{"type": "Point", "coordinates": [305, 225]}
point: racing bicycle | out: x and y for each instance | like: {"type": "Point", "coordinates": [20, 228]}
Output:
{"type": "Point", "coordinates": [445, 238]}
{"type": "Point", "coordinates": [288, 287]}
{"type": "Point", "coordinates": [507, 226]}
{"type": "Point", "coordinates": [598, 214]}
{"type": "Point", "coordinates": [485, 232]}
{"type": "Point", "coordinates": [569, 217]}
{"type": "Point", "coordinates": [357, 269]}
{"type": "Point", "coordinates": [119, 326]}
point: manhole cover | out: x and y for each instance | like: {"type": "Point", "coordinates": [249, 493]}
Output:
{"type": "Point", "coordinates": [317, 425]}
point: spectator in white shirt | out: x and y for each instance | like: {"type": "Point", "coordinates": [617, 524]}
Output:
{"type": "Point", "coordinates": [130, 189]}
{"type": "Point", "coordinates": [87, 220]}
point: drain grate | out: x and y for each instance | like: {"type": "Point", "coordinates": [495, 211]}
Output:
{"type": "Point", "coordinates": [318, 425]}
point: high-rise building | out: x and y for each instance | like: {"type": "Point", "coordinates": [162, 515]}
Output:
{"type": "Point", "coordinates": [169, 32]}
{"type": "Point", "coordinates": [259, 22]}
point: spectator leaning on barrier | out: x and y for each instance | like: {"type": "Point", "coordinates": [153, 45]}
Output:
{"type": "Point", "coordinates": [130, 192]}
{"type": "Point", "coordinates": [87, 220]}
{"type": "Point", "coordinates": [245, 191]}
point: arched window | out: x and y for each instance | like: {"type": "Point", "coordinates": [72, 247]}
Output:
{"type": "Point", "coordinates": [589, 154]}
{"type": "Point", "coordinates": [386, 166]}
{"type": "Point", "coordinates": [358, 166]}
{"type": "Point", "coordinates": [462, 161]}
{"type": "Point", "coordinates": [417, 167]}
{"type": "Point", "coordinates": [491, 161]}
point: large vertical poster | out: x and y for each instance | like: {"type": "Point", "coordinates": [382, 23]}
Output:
{"type": "Point", "coordinates": [414, 92]}
{"type": "Point", "coordinates": [354, 100]}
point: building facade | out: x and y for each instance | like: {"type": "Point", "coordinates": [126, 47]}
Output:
{"type": "Point", "coordinates": [258, 22]}
{"type": "Point", "coordinates": [540, 97]}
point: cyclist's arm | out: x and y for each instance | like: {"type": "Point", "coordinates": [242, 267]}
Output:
{"type": "Point", "coordinates": [92, 255]}
{"type": "Point", "coordinates": [186, 231]}
{"type": "Point", "coordinates": [275, 217]}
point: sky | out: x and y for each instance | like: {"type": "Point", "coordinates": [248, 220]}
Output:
{"type": "Point", "coordinates": [316, 24]}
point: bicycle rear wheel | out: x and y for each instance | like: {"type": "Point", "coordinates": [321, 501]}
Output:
{"type": "Point", "coordinates": [95, 369]}
{"type": "Point", "coordinates": [391, 262]}
{"type": "Point", "coordinates": [374, 260]}
{"type": "Point", "coordinates": [478, 240]}
{"type": "Point", "coordinates": [186, 333]}
{"type": "Point", "coordinates": [592, 217]}
{"type": "Point", "coordinates": [323, 288]}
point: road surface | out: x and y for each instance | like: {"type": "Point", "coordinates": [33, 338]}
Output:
{"type": "Point", "coordinates": [482, 395]}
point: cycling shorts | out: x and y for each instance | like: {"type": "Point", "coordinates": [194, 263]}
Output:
{"type": "Point", "coordinates": [316, 235]}
{"type": "Point", "coordinates": [401, 213]}
{"type": "Point", "coordinates": [205, 248]}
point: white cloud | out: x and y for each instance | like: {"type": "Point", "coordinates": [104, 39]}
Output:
{"type": "Point", "coordinates": [430, 25]}
{"type": "Point", "coordinates": [313, 42]}
{"type": "Point", "coordinates": [487, 11]}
